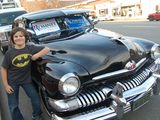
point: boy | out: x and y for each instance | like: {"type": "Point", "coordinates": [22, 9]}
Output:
{"type": "Point", "coordinates": [16, 72]}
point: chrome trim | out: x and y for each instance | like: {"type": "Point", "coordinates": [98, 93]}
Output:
{"type": "Point", "coordinates": [156, 75]}
{"type": "Point", "coordinates": [156, 68]}
{"type": "Point", "coordinates": [63, 79]}
{"type": "Point", "coordinates": [80, 100]}
{"type": "Point", "coordinates": [118, 72]}
{"type": "Point", "coordinates": [154, 47]}
{"type": "Point", "coordinates": [110, 112]}
{"type": "Point", "coordinates": [110, 74]}
{"type": "Point", "coordinates": [157, 61]}
{"type": "Point", "coordinates": [101, 114]}
{"type": "Point", "coordinates": [64, 105]}
{"type": "Point", "coordinates": [136, 81]}
{"type": "Point", "coordinates": [142, 88]}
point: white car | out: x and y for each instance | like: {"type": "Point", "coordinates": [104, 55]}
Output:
{"type": "Point", "coordinates": [7, 17]}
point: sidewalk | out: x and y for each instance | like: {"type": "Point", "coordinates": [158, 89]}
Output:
{"type": "Point", "coordinates": [126, 19]}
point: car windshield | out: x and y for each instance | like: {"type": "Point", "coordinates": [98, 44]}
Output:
{"type": "Point", "coordinates": [59, 27]}
{"type": "Point", "coordinates": [8, 18]}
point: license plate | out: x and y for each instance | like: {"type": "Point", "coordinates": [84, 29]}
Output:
{"type": "Point", "coordinates": [140, 101]}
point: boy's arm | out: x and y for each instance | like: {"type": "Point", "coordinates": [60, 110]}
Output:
{"type": "Point", "coordinates": [4, 76]}
{"type": "Point", "coordinates": [40, 53]}
{"type": "Point", "coordinates": [8, 88]}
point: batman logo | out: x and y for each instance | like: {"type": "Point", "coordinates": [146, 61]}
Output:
{"type": "Point", "coordinates": [21, 60]}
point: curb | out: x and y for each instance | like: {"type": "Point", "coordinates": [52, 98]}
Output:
{"type": "Point", "coordinates": [121, 19]}
{"type": "Point", "coordinates": [128, 20]}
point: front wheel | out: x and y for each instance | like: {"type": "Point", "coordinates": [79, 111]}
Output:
{"type": "Point", "coordinates": [151, 18]}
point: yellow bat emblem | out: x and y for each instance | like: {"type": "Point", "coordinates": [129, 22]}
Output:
{"type": "Point", "coordinates": [21, 60]}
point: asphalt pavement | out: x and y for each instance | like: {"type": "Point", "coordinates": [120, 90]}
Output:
{"type": "Point", "coordinates": [134, 19]}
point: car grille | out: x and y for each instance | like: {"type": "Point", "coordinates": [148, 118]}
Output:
{"type": "Point", "coordinates": [134, 81]}
{"type": "Point", "coordinates": [91, 96]}
{"type": "Point", "coordinates": [94, 94]}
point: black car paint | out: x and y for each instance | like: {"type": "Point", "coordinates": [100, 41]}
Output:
{"type": "Point", "coordinates": [111, 55]}
{"type": "Point", "coordinates": [96, 49]}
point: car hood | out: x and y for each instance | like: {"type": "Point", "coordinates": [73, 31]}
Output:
{"type": "Point", "coordinates": [93, 52]}
{"type": "Point", "coordinates": [5, 28]}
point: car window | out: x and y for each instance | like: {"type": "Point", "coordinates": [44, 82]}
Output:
{"type": "Point", "coordinates": [8, 18]}
{"type": "Point", "coordinates": [75, 21]}
{"type": "Point", "coordinates": [59, 27]}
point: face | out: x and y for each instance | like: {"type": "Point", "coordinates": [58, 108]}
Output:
{"type": "Point", "coordinates": [19, 39]}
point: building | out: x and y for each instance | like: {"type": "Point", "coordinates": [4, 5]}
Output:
{"type": "Point", "coordinates": [105, 9]}
{"type": "Point", "coordinates": [6, 4]}
{"type": "Point", "coordinates": [34, 5]}
{"type": "Point", "coordinates": [111, 9]}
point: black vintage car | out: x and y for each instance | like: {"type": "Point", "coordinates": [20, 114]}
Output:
{"type": "Point", "coordinates": [90, 73]}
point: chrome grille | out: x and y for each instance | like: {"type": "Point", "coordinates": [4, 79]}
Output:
{"type": "Point", "coordinates": [133, 82]}
{"type": "Point", "coordinates": [91, 96]}
{"type": "Point", "coordinates": [136, 81]}
{"type": "Point", "coordinates": [95, 94]}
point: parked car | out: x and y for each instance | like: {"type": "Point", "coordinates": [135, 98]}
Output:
{"type": "Point", "coordinates": [154, 16]}
{"type": "Point", "coordinates": [7, 17]}
{"type": "Point", "coordinates": [90, 73]}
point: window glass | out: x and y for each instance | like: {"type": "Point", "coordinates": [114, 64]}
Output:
{"type": "Point", "coordinates": [8, 18]}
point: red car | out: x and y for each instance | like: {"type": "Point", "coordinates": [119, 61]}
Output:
{"type": "Point", "coordinates": [154, 16]}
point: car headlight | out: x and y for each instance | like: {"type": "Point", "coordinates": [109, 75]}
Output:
{"type": "Point", "coordinates": [155, 51]}
{"type": "Point", "coordinates": [69, 84]}
{"type": "Point", "coordinates": [2, 36]}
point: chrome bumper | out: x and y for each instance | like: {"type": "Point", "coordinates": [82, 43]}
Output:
{"type": "Point", "coordinates": [150, 85]}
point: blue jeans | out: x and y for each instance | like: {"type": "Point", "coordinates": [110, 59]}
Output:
{"type": "Point", "coordinates": [13, 101]}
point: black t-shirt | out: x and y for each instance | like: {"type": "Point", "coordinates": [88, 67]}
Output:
{"type": "Point", "coordinates": [18, 64]}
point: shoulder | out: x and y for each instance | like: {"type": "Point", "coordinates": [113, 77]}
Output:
{"type": "Point", "coordinates": [34, 48]}
{"type": "Point", "coordinates": [9, 51]}
{"type": "Point", "coordinates": [8, 54]}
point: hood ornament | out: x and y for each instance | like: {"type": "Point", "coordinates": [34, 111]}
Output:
{"type": "Point", "coordinates": [131, 65]}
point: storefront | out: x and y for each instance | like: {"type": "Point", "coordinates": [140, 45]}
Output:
{"type": "Point", "coordinates": [104, 11]}
{"type": "Point", "coordinates": [131, 8]}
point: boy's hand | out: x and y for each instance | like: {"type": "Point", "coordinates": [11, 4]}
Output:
{"type": "Point", "coordinates": [34, 57]}
{"type": "Point", "coordinates": [9, 89]}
